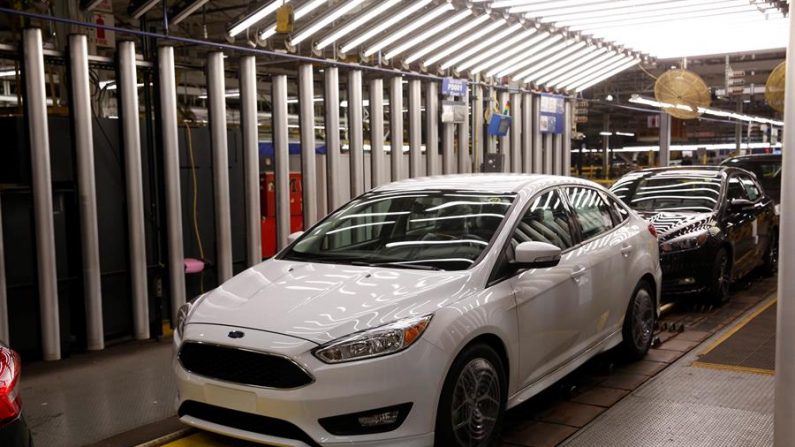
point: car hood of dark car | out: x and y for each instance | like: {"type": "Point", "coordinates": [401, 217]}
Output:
{"type": "Point", "coordinates": [673, 224]}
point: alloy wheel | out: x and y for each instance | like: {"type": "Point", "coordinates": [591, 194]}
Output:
{"type": "Point", "coordinates": [476, 403]}
{"type": "Point", "coordinates": [642, 319]}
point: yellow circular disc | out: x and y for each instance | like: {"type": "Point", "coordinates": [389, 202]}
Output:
{"type": "Point", "coordinates": [684, 89]}
{"type": "Point", "coordinates": [774, 88]}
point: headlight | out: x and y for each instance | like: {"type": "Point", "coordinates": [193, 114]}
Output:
{"type": "Point", "coordinates": [377, 342]}
{"type": "Point", "coordinates": [183, 312]}
{"type": "Point", "coordinates": [685, 242]}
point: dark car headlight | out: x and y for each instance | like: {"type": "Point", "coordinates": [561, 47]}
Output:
{"type": "Point", "coordinates": [688, 241]}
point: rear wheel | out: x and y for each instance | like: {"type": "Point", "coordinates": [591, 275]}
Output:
{"type": "Point", "coordinates": [718, 292]}
{"type": "Point", "coordinates": [473, 400]}
{"type": "Point", "coordinates": [638, 328]}
{"type": "Point", "coordinates": [770, 266]}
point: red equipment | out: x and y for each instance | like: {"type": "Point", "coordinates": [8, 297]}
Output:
{"type": "Point", "coordinates": [268, 209]}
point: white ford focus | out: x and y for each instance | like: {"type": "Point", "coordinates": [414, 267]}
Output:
{"type": "Point", "coordinates": [418, 312]}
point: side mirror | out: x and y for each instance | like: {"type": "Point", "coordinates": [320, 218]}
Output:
{"type": "Point", "coordinates": [740, 205]}
{"type": "Point", "coordinates": [293, 236]}
{"type": "Point", "coordinates": [536, 255]}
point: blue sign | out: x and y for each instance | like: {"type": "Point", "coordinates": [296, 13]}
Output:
{"type": "Point", "coordinates": [499, 125]}
{"type": "Point", "coordinates": [454, 87]}
{"type": "Point", "coordinates": [552, 114]}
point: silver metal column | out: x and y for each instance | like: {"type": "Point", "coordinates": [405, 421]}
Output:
{"type": "Point", "coordinates": [131, 131]}
{"type": "Point", "coordinates": [538, 149]}
{"type": "Point", "coordinates": [377, 162]}
{"type": "Point", "coordinates": [557, 154]}
{"type": "Point", "coordinates": [396, 126]}
{"type": "Point", "coordinates": [548, 149]}
{"type": "Point", "coordinates": [527, 133]}
{"type": "Point", "coordinates": [4, 336]}
{"type": "Point", "coordinates": [281, 152]}
{"type": "Point", "coordinates": [250, 130]}
{"type": "Point", "coordinates": [415, 127]}
{"type": "Point", "coordinates": [464, 163]}
{"type": "Point", "coordinates": [171, 170]}
{"type": "Point", "coordinates": [355, 132]}
{"type": "Point", "coordinates": [566, 154]}
{"type": "Point", "coordinates": [478, 130]}
{"type": "Point", "coordinates": [216, 89]}
{"type": "Point", "coordinates": [432, 128]}
{"type": "Point", "coordinates": [306, 104]}
{"type": "Point", "coordinates": [448, 142]}
{"type": "Point", "coordinates": [333, 138]}
{"type": "Point", "coordinates": [665, 139]}
{"type": "Point", "coordinates": [505, 142]}
{"type": "Point", "coordinates": [86, 184]}
{"type": "Point", "coordinates": [516, 132]}
{"type": "Point", "coordinates": [784, 413]}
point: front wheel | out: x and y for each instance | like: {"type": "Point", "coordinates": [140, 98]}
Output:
{"type": "Point", "coordinates": [718, 292]}
{"type": "Point", "coordinates": [473, 400]}
{"type": "Point", "coordinates": [638, 327]}
{"type": "Point", "coordinates": [770, 266]}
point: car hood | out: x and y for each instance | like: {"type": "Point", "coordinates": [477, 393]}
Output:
{"type": "Point", "coordinates": [670, 225]}
{"type": "Point", "coordinates": [322, 302]}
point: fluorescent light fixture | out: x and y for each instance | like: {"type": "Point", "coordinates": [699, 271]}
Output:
{"type": "Point", "coordinates": [636, 99]}
{"type": "Point", "coordinates": [534, 9]}
{"type": "Point", "coordinates": [463, 42]}
{"type": "Point", "coordinates": [8, 73]}
{"type": "Point", "coordinates": [88, 5]}
{"type": "Point", "coordinates": [511, 51]}
{"type": "Point", "coordinates": [511, 3]}
{"type": "Point", "coordinates": [580, 70]}
{"type": "Point", "coordinates": [324, 20]}
{"type": "Point", "coordinates": [586, 74]}
{"type": "Point", "coordinates": [481, 46]}
{"type": "Point", "coordinates": [626, 134]}
{"type": "Point", "coordinates": [111, 85]}
{"type": "Point", "coordinates": [605, 73]}
{"type": "Point", "coordinates": [549, 63]}
{"type": "Point", "coordinates": [356, 23]}
{"type": "Point", "coordinates": [629, 18]}
{"type": "Point", "coordinates": [447, 37]}
{"type": "Point", "coordinates": [186, 10]}
{"type": "Point", "coordinates": [605, 134]}
{"type": "Point", "coordinates": [619, 8]}
{"type": "Point", "coordinates": [384, 25]}
{"type": "Point", "coordinates": [257, 15]}
{"type": "Point", "coordinates": [495, 49]}
{"type": "Point", "coordinates": [228, 94]}
{"type": "Point", "coordinates": [528, 57]}
{"type": "Point", "coordinates": [573, 62]}
{"type": "Point", "coordinates": [421, 37]}
{"type": "Point", "coordinates": [302, 10]}
{"type": "Point", "coordinates": [409, 27]}
{"type": "Point", "coordinates": [138, 8]}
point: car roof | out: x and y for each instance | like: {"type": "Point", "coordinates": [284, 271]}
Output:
{"type": "Point", "coordinates": [488, 183]}
{"type": "Point", "coordinates": [752, 157]}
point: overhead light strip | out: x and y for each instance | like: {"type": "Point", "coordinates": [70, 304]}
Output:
{"type": "Point", "coordinates": [482, 45]}
{"type": "Point", "coordinates": [324, 20]}
{"type": "Point", "coordinates": [685, 11]}
{"type": "Point", "coordinates": [507, 51]}
{"type": "Point", "coordinates": [356, 23]}
{"type": "Point", "coordinates": [421, 37]}
{"type": "Point", "coordinates": [255, 16]}
{"type": "Point", "coordinates": [494, 49]}
{"type": "Point", "coordinates": [384, 25]}
{"type": "Point", "coordinates": [619, 8]}
{"type": "Point", "coordinates": [602, 74]}
{"type": "Point", "coordinates": [409, 27]}
{"type": "Point", "coordinates": [463, 42]}
{"type": "Point", "coordinates": [595, 67]}
{"type": "Point", "coordinates": [447, 37]}
{"type": "Point", "coordinates": [589, 54]}
{"type": "Point", "coordinates": [636, 99]}
{"type": "Point", "coordinates": [667, 18]}
{"type": "Point", "coordinates": [528, 57]}
{"type": "Point", "coordinates": [299, 13]}
{"type": "Point", "coordinates": [186, 11]}
{"type": "Point", "coordinates": [549, 63]}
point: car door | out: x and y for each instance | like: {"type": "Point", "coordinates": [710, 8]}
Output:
{"type": "Point", "coordinates": [761, 216]}
{"type": "Point", "coordinates": [604, 250]}
{"type": "Point", "coordinates": [740, 226]}
{"type": "Point", "coordinates": [551, 303]}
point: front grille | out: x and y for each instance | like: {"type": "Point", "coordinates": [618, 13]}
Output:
{"type": "Point", "coordinates": [242, 366]}
{"type": "Point", "coordinates": [245, 421]}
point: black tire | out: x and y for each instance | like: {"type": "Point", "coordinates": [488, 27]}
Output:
{"type": "Point", "coordinates": [482, 422]}
{"type": "Point", "coordinates": [638, 330]}
{"type": "Point", "coordinates": [720, 279]}
{"type": "Point", "coordinates": [770, 265]}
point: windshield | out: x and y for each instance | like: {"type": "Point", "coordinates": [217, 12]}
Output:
{"type": "Point", "coordinates": [692, 191]}
{"type": "Point", "coordinates": [439, 230]}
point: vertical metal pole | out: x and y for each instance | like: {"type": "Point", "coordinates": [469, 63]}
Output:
{"type": "Point", "coordinates": [557, 151]}
{"type": "Point", "coordinates": [306, 104]}
{"type": "Point", "coordinates": [355, 132]}
{"type": "Point", "coordinates": [527, 133]}
{"type": "Point", "coordinates": [491, 141]}
{"type": "Point", "coordinates": [566, 169]}
{"type": "Point", "coordinates": [396, 126]}
{"type": "Point", "coordinates": [738, 128]}
{"type": "Point", "coordinates": [415, 127]}
{"type": "Point", "coordinates": [505, 142]}
{"type": "Point", "coordinates": [334, 194]}
{"type": "Point", "coordinates": [665, 139]}
{"type": "Point", "coordinates": [131, 131]}
{"type": "Point", "coordinates": [432, 128]}
{"type": "Point", "coordinates": [606, 146]}
{"type": "Point", "coordinates": [478, 130]}
{"type": "Point", "coordinates": [516, 132]}
{"type": "Point", "coordinates": [463, 143]}
{"type": "Point", "coordinates": [538, 149]}
{"type": "Point", "coordinates": [548, 154]}
{"type": "Point", "coordinates": [784, 414]}
{"type": "Point", "coordinates": [250, 130]}
{"type": "Point", "coordinates": [168, 107]}
{"type": "Point", "coordinates": [377, 171]}
{"type": "Point", "coordinates": [4, 331]}
{"type": "Point", "coordinates": [281, 153]}
{"type": "Point", "coordinates": [448, 140]}
{"type": "Point", "coordinates": [216, 89]}
{"type": "Point", "coordinates": [86, 183]}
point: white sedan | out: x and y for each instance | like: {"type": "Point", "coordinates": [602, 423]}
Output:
{"type": "Point", "coordinates": [418, 313]}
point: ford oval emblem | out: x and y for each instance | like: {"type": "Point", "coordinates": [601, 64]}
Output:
{"type": "Point", "coordinates": [236, 334]}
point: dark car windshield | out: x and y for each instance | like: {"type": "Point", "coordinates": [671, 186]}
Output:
{"type": "Point", "coordinates": [675, 191]}
{"type": "Point", "coordinates": [440, 230]}
{"type": "Point", "coordinates": [767, 170]}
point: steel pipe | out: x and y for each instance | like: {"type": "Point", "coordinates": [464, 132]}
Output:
{"type": "Point", "coordinates": [527, 133]}
{"type": "Point", "coordinates": [4, 331]}
{"type": "Point", "coordinates": [567, 140]}
{"type": "Point", "coordinates": [306, 116]}
{"type": "Point", "coordinates": [355, 132]}
{"type": "Point", "coordinates": [548, 149]}
{"type": "Point", "coordinates": [86, 183]}
{"type": "Point", "coordinates": [505, 141]}
{"type": "Point", "coordinates": [516, 132]}
{"type": "Point", "coordinates": [415, 127]}
{"type": "Point", "coordinates": [377, 162]}
{"type": "Point", "coordinates": [478, 129]}
{"type": "Point", "coordinates": [665, 139]}
{"type": "Point", "coordinates": [333, 138]}
{"type": "Point", "coordinates": [216, 94]}
{"type": "Point", "coordinates": [538, 149]}
{"type": "Point", "coordinates": [396, 126]}
{"type": "Point", "coordinates": [250, 129]}
{"type": "Point", "coordinates": [464, 163]}
{"type": "Point", "coordinates": [557, 154]}
{"type": "Point", "coordinates": [448, 143]}
{"type": "Point", "coordinates": [281, 152]}
{"type": "Point", "coordinates": [131, 131]}
{"type": "Point", "coordinates": [432, 128]}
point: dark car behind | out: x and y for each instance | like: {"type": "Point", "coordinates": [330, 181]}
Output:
{"type": "Point", "coordinates": [766, 167]}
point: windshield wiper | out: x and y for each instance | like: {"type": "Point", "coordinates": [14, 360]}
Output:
{"type": "Point", "coordinates": [400, 264]}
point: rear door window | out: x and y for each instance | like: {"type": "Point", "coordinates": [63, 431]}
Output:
{"type": "Point", "coordinates": [545, 221]}
{"type": "Point", "coordinates": [590, 210]}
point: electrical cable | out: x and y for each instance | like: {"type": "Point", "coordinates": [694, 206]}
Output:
{"type": "Point", "coordinates": [195, 191]}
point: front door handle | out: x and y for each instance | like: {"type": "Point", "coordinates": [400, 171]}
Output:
{"type": "Point", "coordinates": [626, 250]}
{"type": "Point", "coordinates": [576, 274]}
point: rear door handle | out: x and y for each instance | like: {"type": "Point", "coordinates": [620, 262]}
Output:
{"type": "Point", "coordinates": [626, 250]}
{"type": "Point", "coordinates": [579, 272]}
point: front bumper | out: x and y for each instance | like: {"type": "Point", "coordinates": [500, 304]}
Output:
{"type": "Point", "coordinates": [414, 375]}
{"type": "Point", "coordinates": [686, 272]}
{"type": "Point", "coordinates": [15, 434]}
